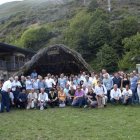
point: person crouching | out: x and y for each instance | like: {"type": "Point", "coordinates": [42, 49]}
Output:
{"type": "Point", "coordinates": [42, 99]}
{"type": "Point", "coordinates": [22, 99]}
{"type": "Point", "coordinates": [32, 99]}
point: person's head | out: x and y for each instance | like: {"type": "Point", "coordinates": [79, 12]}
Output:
{"type": "Point", "coordinates": [61, 89]}
{"type": "Point", "coordinates": [93, 74]}
{"type": "Point", "coordinates": [125, 76]}
{"type": "Point", "coordinates": [106, 76]}
{"type": "Point", "coordinates": [71, 88]}
{"type": "Point", "coordinates": [115, 86]}
{"type": "Point", "coordinates": [90, 90]}
{"type": "Point", "coordinates": [40, 78]}
{"type": "Point", "coordinates": [49, 75]}
{"type": "Point", "coordinates": [11, 79]}
{"type": "Point", "coordinates": [16, 78]}
{"type": "Point", "coordinates": [52, 90]}
{"type": "Point", "coordinates": [127, 87]}
{"type": "Point", "coordinates": [99, 83]}
{"type": "Point", "coordinates": [116, 74]}
{"type": "Point", "coordinates": [131, 75]}
{"type": "Point", "coordinates": [32, 90]}
{"type": "Point", "coordinates": [78, 88]}
{"type": "Point", "coordinates": [81, 82]}
{"type": "Point", "coordinates": [42, 90]}
{"type": "Point", "coordinates": [135, 72]}
{"type": "Point", "coordinates": [83, 73]}
{"type": "Point", "coordinates": [104, 71]}
{"type": "Point", "coordinates": [28, 78]}
{"type": "Point", "coordinates": [62, 75]}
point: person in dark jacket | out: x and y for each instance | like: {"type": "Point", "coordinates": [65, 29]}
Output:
{"type": "Point", "coordinates": [22, 99]}
{"type": "Point", "coordinates": [117, 80]}
{"type": "Point", "coordinates": [53, 98]}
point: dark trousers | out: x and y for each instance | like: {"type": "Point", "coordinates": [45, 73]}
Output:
{"type": "Point", "coordinates": [114, 101]}
{"type": "Point", "coordinates": [79, 102]}
{"type": "Point", "coordinates": [5, 101]}
{"type": "Point", "coordinates": [16, 93]}
{"type": "Point", "coordinates": [135, 97]}
{"type": "Point", "coordinates": [53, 103]}
{"type": "Point", "coordinates": [108, 96]}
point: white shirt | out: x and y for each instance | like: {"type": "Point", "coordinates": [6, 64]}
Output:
{"type": "Point", "coordinates": [29, 84]}
{"type": "Point", "coordinates": [115, 94]}
{"type": "Point", "coordinates": [7, 85]}
{"type": "Point", "coordinates": [88, 83]}
{"type": "Point", "coordinates": [32, 96]}
{"type": "Point", "coordinates": [49, 82]}
{"type": "Point", "coordinates": [43, 97]}
{"type": "Point", "coordinates": [127, 92]}
{"type": "Point", "coordinates": [15, 84]}
{"type": "Point", "coordinates": [85, 91]}
{"type": "Point", "coordinates": [11, 96]}
{"type": "Point", "coordinates": [100, 90]}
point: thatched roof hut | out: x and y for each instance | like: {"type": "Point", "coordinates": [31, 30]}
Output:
{"type": "Point", "coordinates": [55, 60]}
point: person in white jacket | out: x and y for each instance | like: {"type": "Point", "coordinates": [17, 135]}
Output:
{"type": "Point", "coordinates": [42, 99]}
{"type": "Point", "coordinates": [101, 93]}
{"type": "Point", "coordinates": [127, 95]}
{"type": "Point", "coordinates": [32, 99]}
{"type": "Point", "coordinates": [115, 95]}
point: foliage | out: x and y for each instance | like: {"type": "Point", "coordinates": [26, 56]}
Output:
{"type": "Point", "coordinates": [132, 47]}
{"type": "Point", "coordinates": [34, 38]}
{"type": "Point", "coordinates": [107, 58]}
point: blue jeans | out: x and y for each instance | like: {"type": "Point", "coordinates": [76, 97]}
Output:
{"type": "Point", "coordinates": [5, 101]}
{"type": "Point", "coordinates": [114, 101]}
{"type": "Point", "coordinates": [135, 97]}
{"type": "Point", "coordinates": [78, 102]}
{"type": "Point", "coordinates": [128, 101]}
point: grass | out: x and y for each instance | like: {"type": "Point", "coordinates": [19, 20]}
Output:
{"type": "Point", "coordinates": [111, 123]}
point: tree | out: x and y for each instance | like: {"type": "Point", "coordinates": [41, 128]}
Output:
{"type": "Point", "coordinates": [35, 38]}
{"type": "Point", "coordinates": [132, 48]}
{"type": "Point", "coordinates": [107, 58]}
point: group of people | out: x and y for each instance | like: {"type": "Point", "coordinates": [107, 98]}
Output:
{"type": "Point", "coordinates": [82, 90]}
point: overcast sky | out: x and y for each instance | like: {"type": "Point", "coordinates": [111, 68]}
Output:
{"type": "Point", "coordinates": [4, 1]}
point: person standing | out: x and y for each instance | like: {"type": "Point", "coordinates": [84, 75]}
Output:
{"type": "Point", "coordinates": [133, 87]}
{"type": "Point", "coordinates": [108, 83]}
{"type": "Point", "coordinates": [6, 88]}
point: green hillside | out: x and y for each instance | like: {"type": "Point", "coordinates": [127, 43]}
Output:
{"type": "Point", "coordinates": [104, 38]}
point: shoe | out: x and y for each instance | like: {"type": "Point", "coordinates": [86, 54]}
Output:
{"type": "Point", "coordinates": [85, 106]}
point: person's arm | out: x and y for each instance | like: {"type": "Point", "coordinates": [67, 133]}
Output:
{"type": "Point", "coordinates": [105, 90]}
{"type": "Point", "coordinates": [130, 92]}
{"type": "Point", "coordinates": [111, 94]}
{"type": "Point", "coordinates": [120, 94]}
{"type": "Point", "coordinates": [46, 99]}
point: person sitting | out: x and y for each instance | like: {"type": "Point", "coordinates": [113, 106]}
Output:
{"type": "Point", "coordinates": [78, 97]}
{"type": "Point", "coordinates": [61, 97]}
{"type": "Point", "coordinates": [101, 93]}
{"type": "Point", "coordinates": [53, 98]}
{"type": "Point", "coordinates": [115, 94]}
{"type": "Point", "coordinates": [22, 99]}
{"type": "Point", "coordinates": [42, 99]}
{"type": "Point", "coordinates": [127, 95]}
{"type": "Point", "coordinates": [32, 99]}
{"type": "Point", "coordinates": [66, 91]}
{"type": "Point", "coordinates": [71, 94]}
{"type": "Point", "coordinates": [92, 98]}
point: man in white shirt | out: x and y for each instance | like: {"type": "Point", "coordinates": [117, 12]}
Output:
{"type": "Point", "coordinates": [42, 99]}
{"type": "Point", "coordinates": [6, 88]}
{"type": "Point", "coordinates": [32, 99]}
{"type": "Point", "coordinates": [49, 83]}
{"type": "Point", "coordinates": [101, 93]}
{"type": "Point", "coordinates": [127, 95]}
{"type": "Point", "coordinates": [29, 84]}
{"type": "Point", "coordinates": [115, 95]}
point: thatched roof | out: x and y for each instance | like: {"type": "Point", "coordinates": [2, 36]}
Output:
{"type": "Point", "coordinates": [55, 60]}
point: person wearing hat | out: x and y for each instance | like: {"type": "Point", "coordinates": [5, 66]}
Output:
{"type": "Point", "coordinates": [52, 98]}
{"type": "Point", "coordinates": [138, 89]}
{"type": "Point", "coordinates": [6, 88]}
